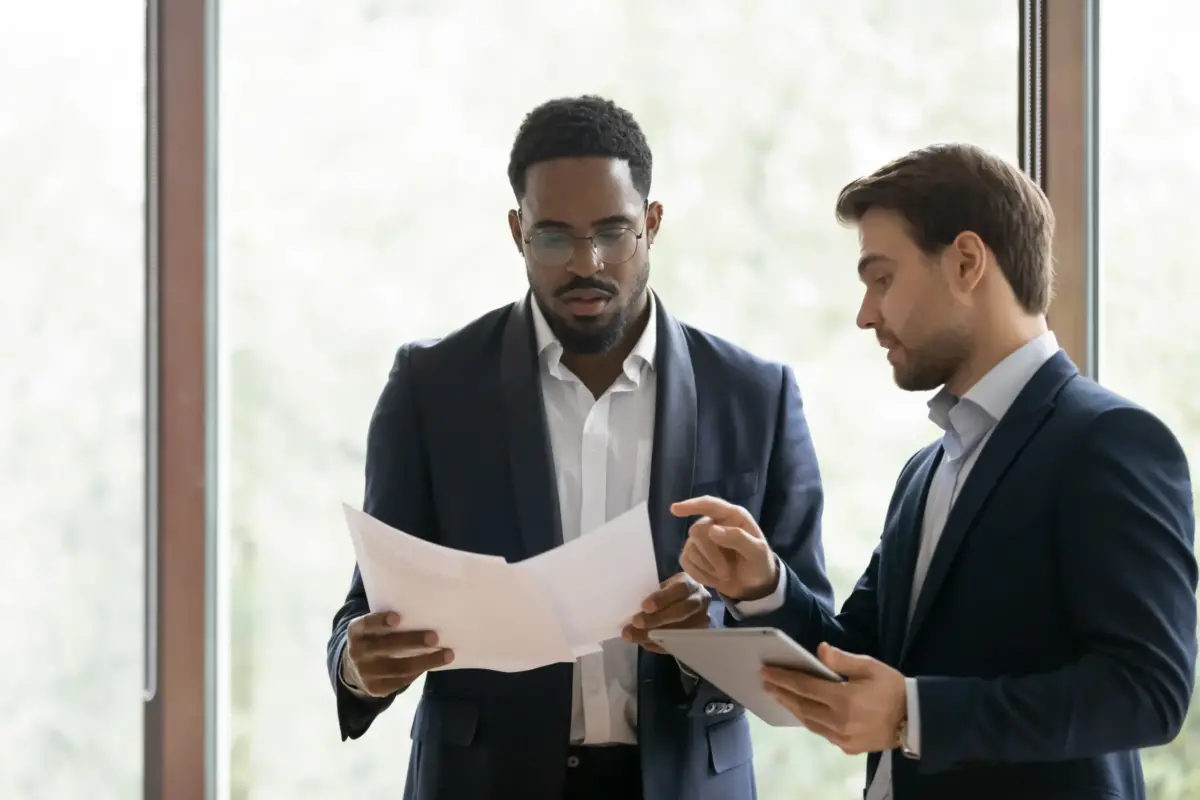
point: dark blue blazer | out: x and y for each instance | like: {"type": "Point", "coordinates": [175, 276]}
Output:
{"type": "Point", "coordinates": [458, 454]}
{"type": "Point", "coordinates": [1055, 633]}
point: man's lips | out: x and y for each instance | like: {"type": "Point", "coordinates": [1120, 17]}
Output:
{"type": "Point", "coordinates": [585, 295]}
{"type": "Point", "coordinates": [586, 302]}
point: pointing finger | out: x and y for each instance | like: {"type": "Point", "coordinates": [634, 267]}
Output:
{"type": "Point", "coordinates": [708, 505]}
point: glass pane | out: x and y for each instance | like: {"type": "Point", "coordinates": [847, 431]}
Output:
{"type": "Point", "coordinates": [363, 204]}
{"type": "Point", "coordinates": [71, 406]}
{"type": "Point", "coordinates": [1149, 328]}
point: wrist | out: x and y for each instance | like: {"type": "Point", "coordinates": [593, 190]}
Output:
{"type": "Point", "coordinates": [349, 674]}
{"type": "Point", "coordinates": [765, 587]}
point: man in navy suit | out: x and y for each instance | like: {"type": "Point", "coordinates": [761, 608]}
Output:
{"type": "Point", "coordinates": [539, 422]}
{"type": "Point", "coordinates": [1028, 620]}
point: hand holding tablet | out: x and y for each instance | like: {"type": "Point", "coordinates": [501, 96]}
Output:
{"type": "Point", "coordinates": [731, 659]}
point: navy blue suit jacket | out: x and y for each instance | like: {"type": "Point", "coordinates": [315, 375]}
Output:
{"type": "Point", "coordinates": [1055, 633]}
{"type": "Point", "coordinates": [458, 454]}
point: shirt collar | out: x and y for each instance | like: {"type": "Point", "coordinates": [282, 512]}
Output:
{"type": "Point", "coordinates": [550, 349]}
{"type": "Point", "coordinates": [965, 420]}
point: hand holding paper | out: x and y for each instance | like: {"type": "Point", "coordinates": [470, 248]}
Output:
{"type": "Point", "coordinates": [381, 659]}
{"type": "Point", "coordinates": [510, 617]}
{"type": "Point", "coordinates": [680, 603]}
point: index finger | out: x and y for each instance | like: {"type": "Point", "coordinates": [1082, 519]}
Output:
{"type": "Point", "coordinates": [375, 623]}
{"type": "Point", "coordinates": [708, 506]}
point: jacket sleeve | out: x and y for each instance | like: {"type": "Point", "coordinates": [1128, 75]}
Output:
{"type": "Point", "coordinates": [398, 494]}
{"type": "Point", "coordinates": [1125, 532]}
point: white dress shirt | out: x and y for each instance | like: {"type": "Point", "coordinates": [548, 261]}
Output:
{"type": "Point", "coordinates": [602, 449]}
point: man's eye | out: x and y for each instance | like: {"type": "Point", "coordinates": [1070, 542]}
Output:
{"type": "Point", "coordinates": [553, 241]}
{"type": "Point", "coordinates": [608, 237]}
{"type": "Point", "coordinates": [883, 281]}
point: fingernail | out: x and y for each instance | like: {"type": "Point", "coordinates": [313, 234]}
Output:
{"type": "Point", "coordinates": [447, 656]}
{"type": "Point", "coordinates": [392, 620]}
{"type": "Point", "coordinates": [430, 639]}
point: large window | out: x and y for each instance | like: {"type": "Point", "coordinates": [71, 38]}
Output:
{"type": "Point", "coordinates": [363, 199]}
{"type": "Point", "coordinates": [71, 409]}
{"type": "Point", "coordinates": [1149, 328]}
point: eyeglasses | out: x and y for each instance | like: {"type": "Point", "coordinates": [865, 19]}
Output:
{"type": "Point", "coordinates": [556, 248]}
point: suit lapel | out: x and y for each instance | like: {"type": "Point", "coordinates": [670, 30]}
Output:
{"type": "Point", "coordinates": [1007, 441]}
{"type": "Point", "coordinates": [674, 453]}
{"type": "Point", "coordinates": [530, 459]}
{"type": "Point", "coordinates": [898, 560]}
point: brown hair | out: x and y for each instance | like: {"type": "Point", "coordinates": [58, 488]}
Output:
{"type": "Point", "coordinates": [945, 189]}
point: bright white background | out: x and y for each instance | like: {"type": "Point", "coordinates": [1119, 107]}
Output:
{"type": "Point", "coordinates": [363, 194]}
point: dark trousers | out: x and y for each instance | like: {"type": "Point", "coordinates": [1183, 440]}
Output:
{"type": "Point", "coordinates": [604, 773]}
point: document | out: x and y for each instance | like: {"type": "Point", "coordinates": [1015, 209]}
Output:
{"type": "Point", "coordinates": [597, 582]}
{"type": "Point", "coordinates": [506, 617]}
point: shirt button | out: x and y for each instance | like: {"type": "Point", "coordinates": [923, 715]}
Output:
{"type": "Point", "coordinates": [572, 761]}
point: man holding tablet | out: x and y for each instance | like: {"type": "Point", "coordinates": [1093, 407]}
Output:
{"type": "Point", "coordinates": [1028, 621]}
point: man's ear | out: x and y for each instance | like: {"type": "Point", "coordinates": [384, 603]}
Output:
{"type": "Point", "coordinates": [514, 227]}
{"type": "Point", "coordinates": [654, 214]}
{"type": "Point", "coordinates": [970, 256]}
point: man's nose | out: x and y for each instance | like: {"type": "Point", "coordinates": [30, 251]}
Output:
{"type": "Point", "coordinates": [866, 318]}
{"type": "Point", "coordinates": [586, 261]}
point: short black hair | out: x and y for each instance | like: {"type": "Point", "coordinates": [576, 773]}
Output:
{"type": "Point", "coordinates": [579, 127]}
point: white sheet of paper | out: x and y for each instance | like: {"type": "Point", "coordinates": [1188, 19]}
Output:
{"type": "Point", "coordinates": [491, 615]}
{"type": "Point", "coordinates": [554, 607]}
{"type": "Point", "coordinates": [596, 583]}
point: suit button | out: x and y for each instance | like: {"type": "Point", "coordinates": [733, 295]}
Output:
{"type": "Point", "coordinates": [712, 708]}
{"type": "Point", "coordinates": [572, 761]}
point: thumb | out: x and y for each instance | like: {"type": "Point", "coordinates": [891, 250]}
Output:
{"type": "Point", "coordinates": [848, 664]}
{"type": "Point", "coordinates": [742, 542]}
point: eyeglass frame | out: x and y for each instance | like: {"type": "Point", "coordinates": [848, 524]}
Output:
{"type": "Point", "coordinates": [637, 236]}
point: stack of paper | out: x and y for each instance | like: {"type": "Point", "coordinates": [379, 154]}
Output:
{"type": "Point", "coordinates": [494, 615]}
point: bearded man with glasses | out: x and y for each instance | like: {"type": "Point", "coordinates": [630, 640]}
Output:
{"type": "Point", "coordinates": [538, 423]}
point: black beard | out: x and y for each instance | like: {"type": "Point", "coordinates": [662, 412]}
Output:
{"type": "Point", "coordinates": [591, 337]}
{"type": "Point", "coordinates": [586, 337]}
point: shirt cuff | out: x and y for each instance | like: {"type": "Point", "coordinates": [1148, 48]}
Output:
{"type": "Point", "coordinates": [914, 717]}
{"type": "Point", "coordinates": [763, 605]}
{"type": "Point", "coordinates": [345, 681]}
